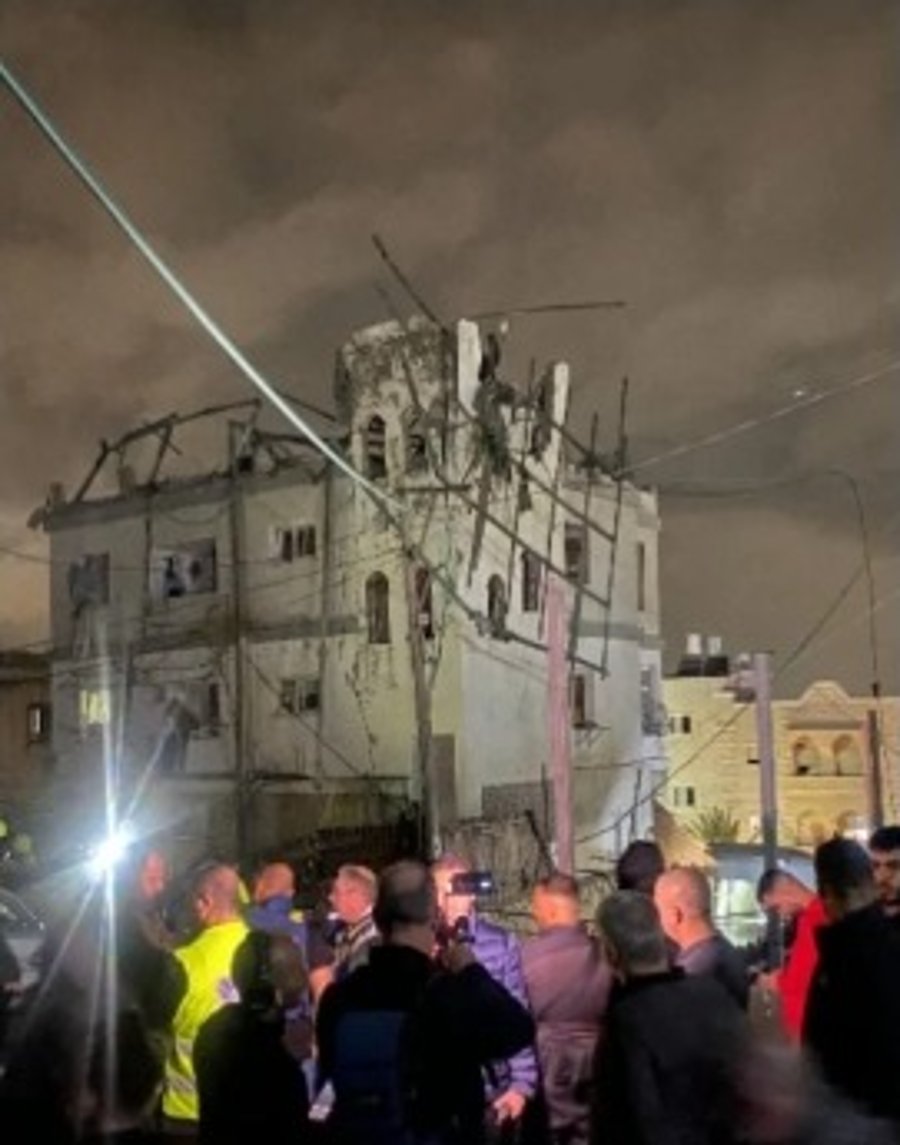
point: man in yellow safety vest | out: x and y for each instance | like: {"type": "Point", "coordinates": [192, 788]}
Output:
{"type": "Point", "coordinates": [207, 965]}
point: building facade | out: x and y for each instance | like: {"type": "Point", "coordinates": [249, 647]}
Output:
{"type": "Point", "coordinates": [822, 753]}
{"type": "Point", "coordinates": [25, 734]}
{"type": "Point", "coordinates": [256, 651]}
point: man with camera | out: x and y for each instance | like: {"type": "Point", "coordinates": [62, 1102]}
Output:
{"type": "Point", "coordinates": [511, 1082]}
{"type": "Point", "coordinates": [404, 1039]}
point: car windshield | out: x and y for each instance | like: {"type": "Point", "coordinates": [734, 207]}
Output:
{"type": "Point", "coordinates": [736, 911]}
{"type": "Point", "coordinates": [14, 914]}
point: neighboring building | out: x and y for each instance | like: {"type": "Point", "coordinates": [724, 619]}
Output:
{"type": "Point", "coordinates": [241, 639]}
{"type": "Point", "coordinates": [821, 748]}
{"type": "Point", "coordinates": [25, 733]}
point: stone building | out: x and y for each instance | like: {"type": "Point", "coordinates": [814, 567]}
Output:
{"type": "Point", "coordinates": [235, 645]}
{"type": "Point", "coordinates": [822, 754]}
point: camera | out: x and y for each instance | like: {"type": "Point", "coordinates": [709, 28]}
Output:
{"type": "Point", "coordinates": [468, 884]}
{"type": "Point", "coordinates": [478, 884]}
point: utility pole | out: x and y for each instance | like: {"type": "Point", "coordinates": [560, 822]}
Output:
{"type": "Point", "coordinates": [431, 827]}
{"type": "Point", "coordinates": [239, 714]}
{"type": "Point", "coordinates": [558, 723]}
{"type": "Point", "coordinates": [876, 791]}
{"type": "Point", "coordinates": [768, 791]}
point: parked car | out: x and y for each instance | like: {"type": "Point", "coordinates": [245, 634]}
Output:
{"type": "Point", "coordinates": [25, 935]}
{"type": "Point", "coordinates": [738, 867]}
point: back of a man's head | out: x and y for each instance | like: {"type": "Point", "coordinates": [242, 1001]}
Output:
{"type": "Point", "coordinates": [556, 902]}
{"type": "Point", "coordinates": [268, 968]}
{"type": "Point", "coordinates": [639, 866]}
{"type": "Point", "coordinates": [217, 894]}
{"type": "Point", "coordinates": [689, 888]}
{"type": "Point", "coordinates": [844, 877]}
{"type": "Point", "coordinates": [275, 880]}
{"type": "Point", "coordinates": [632, 933]}
{"type": "Point", "coordinates": [406, 903]}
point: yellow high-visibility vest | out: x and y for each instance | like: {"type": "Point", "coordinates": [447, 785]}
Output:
{"type": "Point", "coordinates": [207, 963]}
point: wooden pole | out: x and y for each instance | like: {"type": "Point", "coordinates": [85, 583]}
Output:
{"type": "Point", "coordinates": [558, 722]}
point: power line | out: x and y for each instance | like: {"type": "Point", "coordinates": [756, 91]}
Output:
{"type": "Point", "coordinates": [750, 424]}
{"type": "Point", "coordinates": [218, 335]}
{"type": "Point", "coordinates": [740, 709]}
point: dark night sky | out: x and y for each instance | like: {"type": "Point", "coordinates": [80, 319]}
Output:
{"type": "Point", "coordinates": [731, 169]}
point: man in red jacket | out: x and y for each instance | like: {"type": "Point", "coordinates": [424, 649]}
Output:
{"type": "Point", "coordinates": [798, 905]}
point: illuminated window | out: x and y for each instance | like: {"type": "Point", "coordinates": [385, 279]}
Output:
{"type": "Point", "coordinates": [378, 608]}
{"type": "Point", "coordinates": [38, 724]}
{"type": "Point", "coordinates": [94, 708]}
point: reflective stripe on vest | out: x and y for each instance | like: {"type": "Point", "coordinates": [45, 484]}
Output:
{"type": "Point", "coordinates": [207, 964]}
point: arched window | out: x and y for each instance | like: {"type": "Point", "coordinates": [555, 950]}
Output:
{"type": "Point", "coordinates": [497, 605]}
{"type": "Point", "coordinates": [424, 607]}
{"type": "Point", "coordinates": [806, 758]}
{"type": "Point", "coordinates": [531, 581]}
{"type": "Point", "coordinates": [416, 443]}
{"type": "Point", "coordinates": [378, 608]}
{"type": "Point", "coordinates": [847, 756]}
{"type": "Point", "coordinates": [376, 455]}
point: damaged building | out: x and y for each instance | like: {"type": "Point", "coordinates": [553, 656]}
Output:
{"type": "Point", "coordinates": [255, 651]}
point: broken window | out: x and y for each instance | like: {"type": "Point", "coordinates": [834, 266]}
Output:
{"type": "Point", "coordinates": [416, 443]}
{"type": "Point", "coordinates": [578, 700]}
{"type": "Point", "coordinates": [38, 723]}
{"type": "Point", "coordinates": [376, 445]}
{"type": "Point", "coordinates": [497, 607]}
{"type": "Point", "coordinates": [378, 608]}
{"type": "Point", "coordinates": [186, 570]}
{"type": "Point", "coordinates": [424, 606]}
{"type": "Point", "coordinates": [293, 543]}
{"type": "Point", "coordinates": [576, 552]}
{"type": "Point", "coordinates": [531, 581]}
{"type": "Point", "coordinates": [89, 581]}
{"type": "Point", "coordinates": [299, 695]}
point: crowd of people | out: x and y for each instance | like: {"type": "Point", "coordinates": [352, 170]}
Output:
{"type": "Point", "coordinates": [403, 1016]}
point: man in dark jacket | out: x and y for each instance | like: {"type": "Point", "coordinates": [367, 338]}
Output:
{"type": "Point", "coordinates": [684, 901]}
{"type": "Point", "coordinates": [513, 1082]}
{"type": "Point", "coordinates": [568, 983]}
{"type": "Point", "coordinates": [853, 1011]}
{"type": "Point", "coordinates": [251, 1090]}
{"type": "Point", "coordinates": [664, 1073]}
{"type": "Point", "coordinates": [402, 1040]}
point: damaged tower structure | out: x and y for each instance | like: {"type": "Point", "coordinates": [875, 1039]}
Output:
{"type": "Point", "coordinates": [260, 650]}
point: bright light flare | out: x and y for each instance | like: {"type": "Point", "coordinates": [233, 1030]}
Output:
{"type": "Point", "coordinates": [107, 855]}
